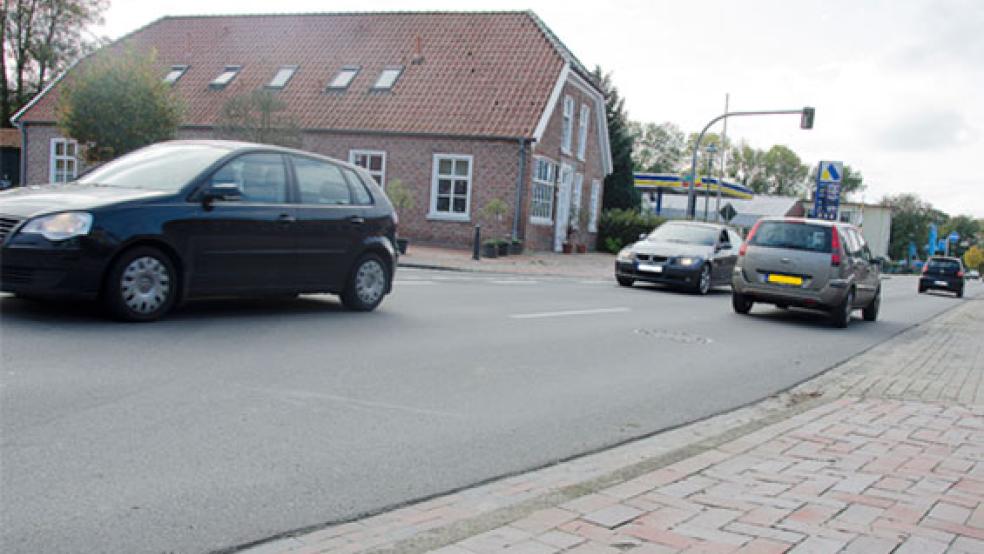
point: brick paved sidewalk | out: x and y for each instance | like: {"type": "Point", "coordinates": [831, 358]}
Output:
{"type": "Point", "coordinates": [884, 453]}
{"type": "Point", "coordinates": [593, 265]}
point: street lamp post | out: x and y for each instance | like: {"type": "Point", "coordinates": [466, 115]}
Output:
{"type": "Point", "coordinates": [709, 154]}
{"type": "Point", "coordinates": [806, 122]}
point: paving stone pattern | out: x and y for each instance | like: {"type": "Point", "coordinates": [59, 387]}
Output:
{"type": "Point", "coordinates": [890, 459]}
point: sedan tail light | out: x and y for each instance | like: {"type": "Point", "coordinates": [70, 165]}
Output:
{"type": "Point", "coordinates": [835, 247]}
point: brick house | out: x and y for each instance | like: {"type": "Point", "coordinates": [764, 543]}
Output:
{"type": "Point", "coordinates": [462, 107]}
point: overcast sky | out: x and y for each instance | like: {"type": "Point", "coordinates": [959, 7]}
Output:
{"type": "Point", "coordinates": [898, 86]}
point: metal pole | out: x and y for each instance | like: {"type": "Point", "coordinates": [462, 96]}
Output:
{"type": "Point", "coordinates": [520, 180]}
{"type": "Point", "coordinates": [707, 193]}
{"type": "Point", "coordinates": [476, 252]}
{"type": "Point", "coordinates": [691, 198]}
{"type": "Point", "coordinates": [724, 155]}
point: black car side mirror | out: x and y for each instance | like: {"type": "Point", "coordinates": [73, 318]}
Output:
{"type": "Point", "coordinates": [643, 236]}
{"type": "Point", "coordinates": [222, 191]}
{"type": "Point", "coordinates": [722, 246]}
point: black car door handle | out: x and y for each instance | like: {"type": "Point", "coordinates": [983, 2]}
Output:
{"type": "Point", "coordinates": [358, 220]}
{"type": "Point", "coordinates": [286, 218]}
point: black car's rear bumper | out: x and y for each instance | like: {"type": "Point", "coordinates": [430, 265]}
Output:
{"type": "Point", "coordinates": [941, 282]}
{"type": "Point", "coordinates": [671, 275]}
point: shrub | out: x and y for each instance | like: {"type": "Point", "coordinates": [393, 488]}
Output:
{"type": "Point", "coordinates": [618, 228]}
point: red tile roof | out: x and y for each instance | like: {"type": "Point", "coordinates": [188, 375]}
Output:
{"type": "Point", "coordinates": [479, 73]}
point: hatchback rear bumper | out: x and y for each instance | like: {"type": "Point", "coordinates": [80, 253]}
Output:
{"type": "Point", "coordinates": [831, 295]}
{"type": "Point", "coordinates": [953, 284]}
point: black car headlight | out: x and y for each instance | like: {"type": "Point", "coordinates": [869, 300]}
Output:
{"type": "Point", "coordinates": [59, 226]}
{"type": "Point", "coordinates": [689, 261]}
{"type": "Point", "coordinates": [625, 255]}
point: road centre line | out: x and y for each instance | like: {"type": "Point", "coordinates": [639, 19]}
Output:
{"type": "Point", "coordinates": [596, 311]}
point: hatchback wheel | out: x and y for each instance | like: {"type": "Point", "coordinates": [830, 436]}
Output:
{"type": "Point", "coordinates": [841, 315]}
{"type": "Point", "coordinates": [870, 312]}
{"type": "Point", "coordinates": [704, 281]}
{"type": "Point", "coordinates": [741, 303]}
{"type": "Point", "coordinates": [141, 285]}
{"type": "Point", "coordinates": [960, 293]}
{"type": "Point", "coordinates": [367, 284]}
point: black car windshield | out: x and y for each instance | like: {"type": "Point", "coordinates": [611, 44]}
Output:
{"type": "Point", "coordinates": [166, 167]}
{"type": "Point", "coordinates": [689, 234]}
{"type": "Point", "coordinates": [793, 235]}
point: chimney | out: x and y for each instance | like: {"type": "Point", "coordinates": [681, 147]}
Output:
{"type": "Point", "coordinates": [418, 54]}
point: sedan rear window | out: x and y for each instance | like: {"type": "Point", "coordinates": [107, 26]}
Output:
{"type": "Point", "coordinates": [167, 167]}
{"type": "Point", "coordinates": [797, 236]}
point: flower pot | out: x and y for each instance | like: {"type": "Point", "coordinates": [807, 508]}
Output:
{"type": "Point", "coordinates": [568, 248]}
{"type": "Point", "coordinates": [402, 244]}
{"type": "Point", "coordinates": [516, 248]}
{"type": "Point", "coordinates": [490, 250]}
{"type": "Point", "coordinates": [582, 248]}
{"type": "Point", "coordinates": [503, 248]}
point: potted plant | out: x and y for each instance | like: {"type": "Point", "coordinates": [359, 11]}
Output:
{"type": "Point", "coordinates": [495, 209]}
{"type": "Point", "coordinates": [402, 200]}
{"type": "Point", "coordinates": [515, 247]}
{"type": "Point", "coordinates": [490, 248]}
{"type": "Point", "coordinates": [503, 247]}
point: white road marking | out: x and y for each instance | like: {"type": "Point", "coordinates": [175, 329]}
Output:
{"type": "Point", "coordinates": [596, 311]}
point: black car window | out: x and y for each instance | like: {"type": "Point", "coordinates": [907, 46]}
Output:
{"type": "Point", "coordinates": [684, 233]}
{"type": "Point", "coordinates": [944, 266]}
{"type": "Point", "coordinates": [167, 166]}
{"type": "Point", "coordinates": [793, 235]}
{"type": "Point", "coordinates": [724, 240]}
{"type": "Point", "coordinates": [261, 177]}
{"type": "Point", "coordinates": [321, 182]}
{"type": "Point", "coordinates": [360, 193]}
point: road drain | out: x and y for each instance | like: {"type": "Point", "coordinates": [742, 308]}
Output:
{"type": "Point", "coordinates": [675, 336]}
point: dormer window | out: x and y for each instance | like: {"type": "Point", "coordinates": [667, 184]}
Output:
{"type": "Point", "coordinates": [387, 78]}
{"type": "Point", "coordinates": [344, 78]}
{"type": "Point", "coordinates": [226, 77]}
{"type": "Point", "coordinates": [282, 77]}
{"type": "Point", "coordinates": [176, 72]}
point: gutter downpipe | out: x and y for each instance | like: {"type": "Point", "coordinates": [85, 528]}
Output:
{"type": "Point", "coordinates": [518, 210]}
{"type": "Point", "coordinates": [23, 156]}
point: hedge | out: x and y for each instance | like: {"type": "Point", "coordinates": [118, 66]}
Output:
{"type": "Point", "coordinates": [619, 228]}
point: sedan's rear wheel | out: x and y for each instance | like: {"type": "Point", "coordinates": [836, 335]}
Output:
{"type": "Point", "coordinates": [741, 303]}
{"type": "Point", "coordinates": [141, 285]}
{"type": "Point", "coordinates": [367, 284]}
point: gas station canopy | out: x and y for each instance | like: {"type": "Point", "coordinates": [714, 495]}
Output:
{"type": "Point", "coordinates": [675, 184]}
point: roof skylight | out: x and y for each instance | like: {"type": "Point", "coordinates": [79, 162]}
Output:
{"type": "Point", "coordinates": [282, 77]}
{"type": "Point", "coordinates": [344, 78]}
{"type": "Point", "coordinates": [388, 78]}
{"type": "Point", "coordinates": [226, 77]}
{"type": "Point", "coordinates": [176, 72]}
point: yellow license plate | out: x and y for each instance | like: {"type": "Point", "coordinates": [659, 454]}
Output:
{"type": "Point", "coordinates": [785, 279]}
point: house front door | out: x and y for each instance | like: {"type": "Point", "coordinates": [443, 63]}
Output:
{"type": "Point", "coordinates": [563, 206]}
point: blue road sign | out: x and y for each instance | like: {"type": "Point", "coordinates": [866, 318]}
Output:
{"type": "Point", "coordinates": [826, 197]}
{"type": "Point", "coordinates": [954, 236]}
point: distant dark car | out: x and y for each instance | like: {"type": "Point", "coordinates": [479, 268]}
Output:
{"type": "Point", "coordinates": [190, 219]}
{"type": "Point", "coordinates": [687, 254]}
{"type": "Point", "coordinates": [942, 273]}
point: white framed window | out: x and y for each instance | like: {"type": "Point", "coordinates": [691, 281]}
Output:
{"type": "Point", "coordinates": [344, 78]}
{"type": "Point", "coordinates": [582, 131]}
{"type": "Point", "coordinates": [576, 195]}
{"type": "Point", "coordinates": [374, 161]}
{"type": "Point", "coordinates": [544, 177]}
{"type": "Point", "coordinates": [282, 77]}
{"type": "Point", "coordinates": [567, 130]}
{"type": "Point", "coordinates": [64, 160]}
{"type": "Point", "coordinates": [226, 77]}
{"type": "Point", "coordinates": [451, 187]}
{"type": "Point", "coordinates": [593, 206]}
{"type": "Point", "coordinates": [176, 72]}
{"type": "Point", "coordinates": [387, 79]}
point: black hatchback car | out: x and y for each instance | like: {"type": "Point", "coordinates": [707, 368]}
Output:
{"type": "Point", "coordinates": [190, 219]}
{"type": "Point", "coordinates": [943, 273]}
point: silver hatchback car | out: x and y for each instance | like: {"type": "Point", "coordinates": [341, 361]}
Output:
{"type": "Point", "coordinates": [807, 263]}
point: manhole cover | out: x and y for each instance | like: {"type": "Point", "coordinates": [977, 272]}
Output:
{"type": "Point", "coordinates": [675, 336]}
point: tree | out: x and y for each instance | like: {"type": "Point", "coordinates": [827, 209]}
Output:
{"type": "Point", "coordinates": [911, 218]}
{"type": "Point", "coordinates": [40, 39]}
{"type": "Point", "coordinates": [258, 116]}
{"type": "Point", "coordinates": [965, 226]}
{"type": "Point", "coordinates": [620, 191]}
{"type": "Point", "coordinates": [117, 102]}
{"type": "Point", "coordinates": [657, 148]}
{"type": "Point", "coordinates": [784, 171]}
{"type": "Point", "coordinates": [974, 258]}
{"type": "Point", "coordinates": [747, 164]}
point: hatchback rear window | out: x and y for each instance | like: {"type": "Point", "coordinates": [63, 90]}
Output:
{"type": "Point", "coordinates": [944, 266]}
{"type": "Point", "coordinates": [797, 236]}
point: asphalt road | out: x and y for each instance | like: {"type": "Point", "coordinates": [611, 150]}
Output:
{"type": "Point", "coordinates": [233, 421]}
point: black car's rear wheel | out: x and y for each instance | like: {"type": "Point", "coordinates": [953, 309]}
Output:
{"type": "Point", "coordinates": [960, 293]}
{"type": "Point", "coordinates": [741, 303]}
{"type": "Point", "coordinates": [141, 285]}
{"type": "Point", "coordinates": [367, 284]}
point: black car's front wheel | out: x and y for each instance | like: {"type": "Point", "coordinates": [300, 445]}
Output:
{"type": "Point", "coordinates": [367, 284]}
{"type": "Point", "coordinates": [703, 285]}
{"type": "Point", "coordinates": [141, 285]}
{"type": "Point", "coordinates": [625, 281]}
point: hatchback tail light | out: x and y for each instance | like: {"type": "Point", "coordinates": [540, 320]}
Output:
{"type": "Point", "coordinates": [959, 273]}
{"type": "Point", "coordinates": [925, 268]}
{"type": "Point", "coordinates": [744, 245]}
{"type": "Point", "coordinates": [835, 247]}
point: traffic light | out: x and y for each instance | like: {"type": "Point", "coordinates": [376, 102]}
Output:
{"type": "Point", "coordinates": [806, 120]}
